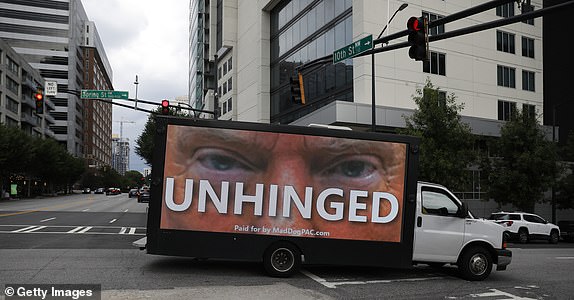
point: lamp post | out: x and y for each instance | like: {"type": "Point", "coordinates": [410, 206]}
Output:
{"type": "Point", "coordinates": [373, 102]}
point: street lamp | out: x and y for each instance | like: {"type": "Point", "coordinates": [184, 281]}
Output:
{"type": "Point", "coordinates": [373, 107]}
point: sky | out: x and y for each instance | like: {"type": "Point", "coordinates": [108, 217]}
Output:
{"type": "Point", "coordinates": [147, 38]}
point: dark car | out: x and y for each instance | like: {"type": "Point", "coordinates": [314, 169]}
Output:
{"type": "Point", "coordinates": [99, 191]}
{"type": "Point", "coordinates": [144, 195]}
{"type": "Point", "coordinates": [113, 191]}
{"type": "Point", "coordinates": [133, 193]}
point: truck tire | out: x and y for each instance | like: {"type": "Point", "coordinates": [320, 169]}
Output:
{"type": "Point", "coordinates": [523, 235]}
{"type": "Point", "coordinates": [553, 237]}
{"type": "Point", "coordinates": [475, 263]}
{"type": "Point", "coordinates": [282, 259]}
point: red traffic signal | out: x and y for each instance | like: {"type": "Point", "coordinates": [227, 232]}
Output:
{"type": "Point", "coordinates": [39, 96]}
{"type": "Point", "coordinates": [418, 38]}
{"type": "Point", "coordinates": [165, 107]}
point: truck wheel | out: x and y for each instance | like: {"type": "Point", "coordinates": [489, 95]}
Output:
{"type": "Point", "coordinates": [554, 237]}
{"type": "Point", "coordinates": [523, 236]}
{"type": "Point", "coordinates": [475, 264]}
{"type": "Point", "coordinates": [281, 259]}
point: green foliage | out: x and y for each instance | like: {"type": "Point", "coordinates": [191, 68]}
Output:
{"type": "Point", "coordinates": [524, 166]}
{"type": "Point", "coordinates": [446, 142]}
{"type": "Point", "coordinates": [145, 142]}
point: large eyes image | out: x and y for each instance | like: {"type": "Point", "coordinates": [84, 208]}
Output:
{"type": "Point", "coordinates": [357, 170]}
{"type": "Point", "coordinates": [221, 164]}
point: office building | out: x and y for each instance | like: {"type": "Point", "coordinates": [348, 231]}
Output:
{"type": "Point", "coordinates": [18, 84]}
{"type": "Point", "coordinates": [52, 36]}
{"type": "Point", "coordinates": [120, 154]}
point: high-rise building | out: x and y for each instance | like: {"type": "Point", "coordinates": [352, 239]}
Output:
{"type": "Point", "coordinates": [120, 154]}
{"type": "Point", "coordinates": [19, 82]}
{"type": "Point", "coordinates": [254, 48]}
{"type": "Point", "coordinates": [251, 49]}
{"type": "Point", "coordinates": [52, 36]}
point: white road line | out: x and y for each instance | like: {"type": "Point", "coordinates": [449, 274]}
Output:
{"type": "Point", "coordinates": [34, 229]}
{"type": "Point", "coordinates": [85, 229]}
{"type": "Point", "coordinates": [132, 230]}
{"type": "Point", "coordinates": [85, 209]}
{"type": "Point", "coordinates": [564, 257]}
{"type": "Point", "coordinates": [333, 285]}
{"type": "Point", "coordinates": [113, 221]}
{"type": "Point", "coordinates": [76, 229]}
{"type": "Point", "coordinates": [46, 220]}
{"type": "Point", "coordinates": [123, 230]}
{"type": "Point", "coordinates": [126, 210]}
{"type": "Point", "coordinates": [24, 229]}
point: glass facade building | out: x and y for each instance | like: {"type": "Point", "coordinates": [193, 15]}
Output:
{"type": "Point", "coordinates": [302, 31]}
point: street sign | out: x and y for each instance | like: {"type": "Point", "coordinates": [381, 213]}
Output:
{"type": "Point", "coordinates": [353, 49]}
{"type": "Point", "coordinates": [51, 88]}
{"type": "Point", "coordinates": [97, 94]}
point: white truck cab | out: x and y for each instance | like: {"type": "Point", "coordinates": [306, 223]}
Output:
{"type": "Point", "coordinates": [447, 233]}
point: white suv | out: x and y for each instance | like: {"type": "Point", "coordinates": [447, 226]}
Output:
{"type": "Point", "coordinates": [526, 226]}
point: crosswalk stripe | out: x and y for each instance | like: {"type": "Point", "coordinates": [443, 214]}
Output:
{"type": "Point", "coordinates": [76, 229]}
{"type": "Point", "coordinates": [24, 229]}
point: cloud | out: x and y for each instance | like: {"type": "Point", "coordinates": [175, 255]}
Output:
{"type": "Point", "coordinates": [147, 38]}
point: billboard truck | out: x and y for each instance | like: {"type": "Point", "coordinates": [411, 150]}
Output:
{"type": "Point", "coordinates": [291, 195]}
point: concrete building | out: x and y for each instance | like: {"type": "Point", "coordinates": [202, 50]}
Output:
{"type": "Point", "coordinates": [120, 154]}
{"type": "Point", "coordinates": [252, 48]}
{"type": "Point", "coordinates": [18, 84]}
{"type": "Point", "coordinates": [50, 36]}
{"type": "Point", "coordinates": [97, 114]}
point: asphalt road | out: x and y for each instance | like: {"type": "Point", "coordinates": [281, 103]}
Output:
{"type": "Point", "coordinates": [87, 239]}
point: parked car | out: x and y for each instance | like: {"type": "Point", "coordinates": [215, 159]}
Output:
{"type": "Point", "coordinates": [144, 195]}
{"type": "Point", "coordinates": [133, 193]}
{"type": "Point", "coordinates": [566, 230]}
{"type": "Point", "coordinates": [86, 191]}
{"type": "Point", "coordinates": [113, 191]}
{"type": "Point", "coordinates": [524, 227]}
{"type": "Point", "coordinates": [99, 191]}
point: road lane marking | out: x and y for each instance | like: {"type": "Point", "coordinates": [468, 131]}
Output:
{"type": "Point", "coordinates": [76, 229]}
{"type": "Point", "coordinates": [132, 230]}
{"type": "Point", "coordinates": [45, 208]}
{"type": "Point", "coordinates": [85, 229]}
{"type": "Point", "coordinates": [333, 285]}
{"type": "Point", "coordinates": [564, 257]}
{"type": "Point", "coordinates": [498, 293]}
{"type": "Point", "coordinates": [46, 220]}
{"type": "Point", "coordinates": [113, 221]}
{"type": "Point", "coordinates": [85, 210]}
{"type": "Point", "coordinates": [24, 229]}
{"type": "Point", "coordinates": [34, 229]}
{"type": "Point", "coordinates": [126, 210]}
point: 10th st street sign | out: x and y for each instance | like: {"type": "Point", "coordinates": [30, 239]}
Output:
{"type": "Point", "coordinates": [353, 49]}
{"type": "Point", "coordinates": [102, 94]}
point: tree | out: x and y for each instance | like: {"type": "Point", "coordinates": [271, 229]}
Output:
{"type": "Point", "coordinates": [446, 142]}
{"type": "Point", "coordinates": [524, 166]}
{"type": "Point", "coordinates": [145, 142]}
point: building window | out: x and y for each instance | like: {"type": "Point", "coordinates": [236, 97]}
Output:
{"type": "Point", "coordinates": [529, 110]}
{"type": "Point", "coordinates": [505, 110]}
{"type": "Point", "coordinates": [505, 10]}
{"type": "Point", "coordinates": [12, 85]}
{"type": "Point", "coordinates": [506, 76]}
{"type": "Point", "coordinates": [526, 8]}
{"type": "Point", "coordinates": [431, 17]}
{"type": "Point", "coordinates": [527, 47]}
{"type": "Point", "coordinates": [12, 105]}
{"type": "Point", "coordinates": [229, 64]}
{"type": "Point", "coordinates": [436, 64]}
{"type": "Point", "coordinates": [440, 96]}
{"type": "Point", "coordinates": [528, 80]}
{"type": "Point", "coordinates": [229, 104]}
{"type": "Point", "coordinates": [12, 65]}
{"type": "Point", "coordinates": [505, 42]}
{"type": "Point", "coordinates": [230, 84]}
{"type": "Point", "coordinates": [219, 73]}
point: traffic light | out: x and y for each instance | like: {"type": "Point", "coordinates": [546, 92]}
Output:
{"type": "Point", "coordinates": [39, 97]}
{"type": "Point", "coordinates": [165, 107]}
{"type": "Point", "coordinates": [297, 89]}
{"type": "Point", "coordinates": [418, 38]}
